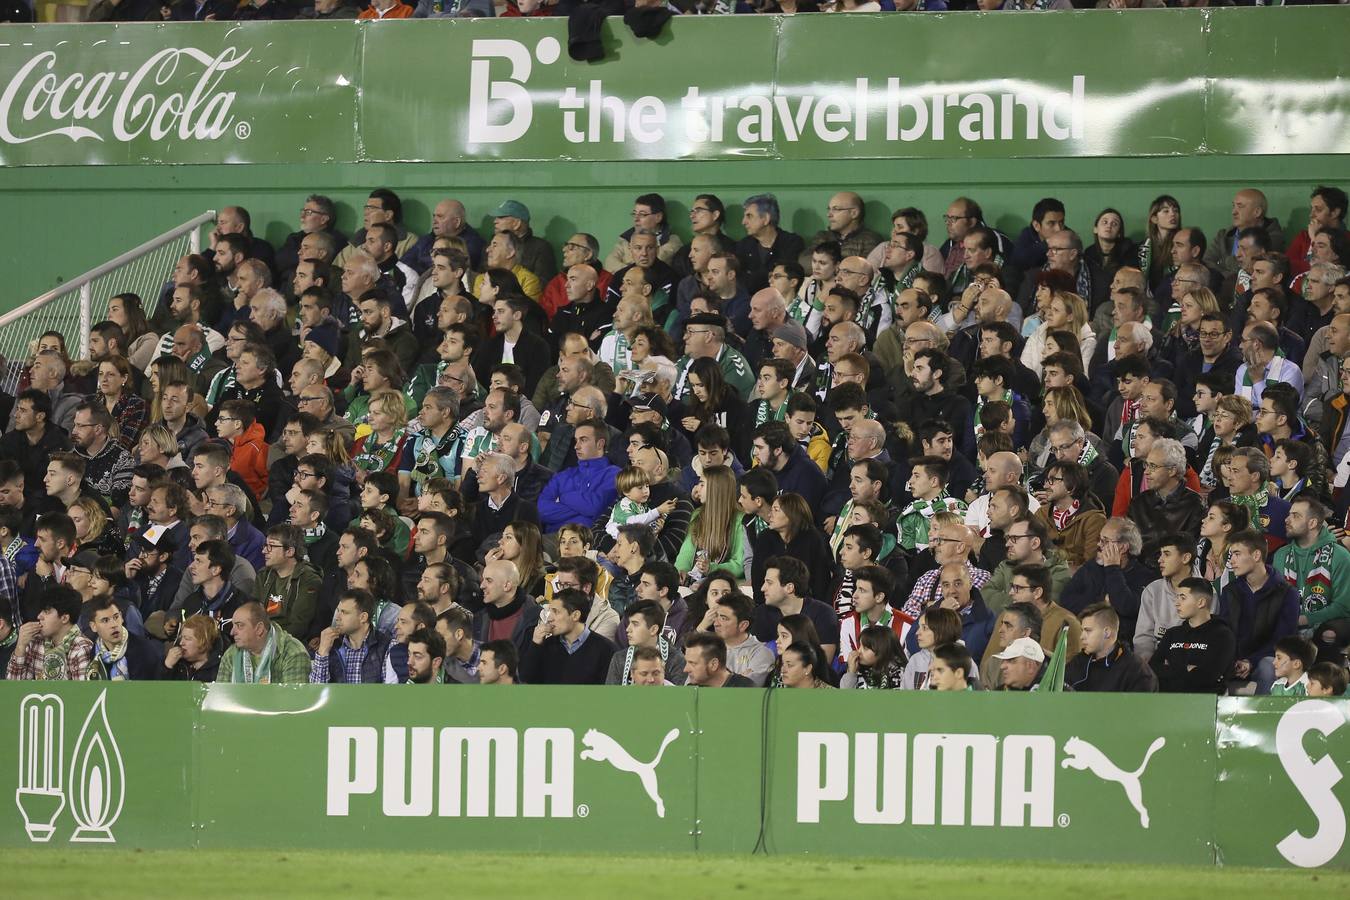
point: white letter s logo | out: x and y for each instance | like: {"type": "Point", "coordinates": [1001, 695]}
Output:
{"type": "Point", "coordinates": [1314, 781]}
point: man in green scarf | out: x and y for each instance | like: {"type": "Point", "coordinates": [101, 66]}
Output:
{"type": "Point", "coordinates": [262, 652]}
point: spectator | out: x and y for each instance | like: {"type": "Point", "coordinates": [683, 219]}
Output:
{"type": "Point", "coordinates": [118, 654]}
{"type": "Point", "coordinates": [508, 613]}
{"type": "Point", "coordinates": [212, 591]}
{"type": "Point", "coordinates": [646, 628]}
{"type": "Point", "coordinates": [1105, 663]}
{"type": "Point", "coordinates": [706, 663]}
{"type": "Point", "coordinates": [1072, 513]}
{"type": "Point", "coordinates": [1022, 665]}
{"type": "Point", "coordinates": [1168, 505]}
{"type": "Point", "coordinates": [230, 503]}
{"type": "Point", "coordinates": [937, 627]}
{"type": "Point", "coordinates": [107, 464]}
{"type": "Point", "coordinates": [498, 663]}
{"type": "Point", "coordinates": [577, 656]}
{"type": "Point", "coordinates": [581, 493]}
{"type": "Point", "coordinates": [261, 652]}
{"type": "Point", "coordinates": [1116, 575]}
{"type": "Point", "coordinates": [288, 586]}
{"type": "Point", "coordinates": [1317, 567]}
{"type": "Point", "coordinates": [426, 655]}
{"type": "Point", "coordinates": [194, 657]}
{"type": "Point", "coordinates": [462, 653]}
{"type": "Point", "coordinates": [1197, 655]}
{"type": "Point", "coordinates": [928, 486]}
{"type": "Point", "coordinates": [1327, 679]}
{"type": "Point", "coordinates": [716, 537]}
{"type": "Point", "coordinates": [1260, 605]}
{"type": "Point", "coordinates": [1294, 656]}
{"type": "Point", "coordinates": [237, 424]}
{"type": "Point", "coordinates": [50, 647]}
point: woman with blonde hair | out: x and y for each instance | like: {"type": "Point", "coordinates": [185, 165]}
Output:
{"type": "Point", "coordinates": [91, 528]}
{"type": "Point", "coordinates": [1064, 404]}
{"type": "Point", "coordinates": [129, 410]}
{"type": "Point", "coordinates": [716, 537]}
{"type": "Point", "coordinates": [1231, 427]}
{"type": "Point", "coordinates": [381, 449]}
{"type": "Point", "coordinates": [1182, 323]}
{"type": "Point", "coordinates": [163, 371]}
{"type": "Point", "coordinates": [1066, 311]}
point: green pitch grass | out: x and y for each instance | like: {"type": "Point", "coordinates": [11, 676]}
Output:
{"type": "Point", "coordinates": [204, 874]}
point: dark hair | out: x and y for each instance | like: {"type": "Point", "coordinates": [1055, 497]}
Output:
{"type": "Point", "coordinates": [650, 611]}
{"type": "Point", "coordinates": [665, 575]}
{"type": "Point", "coordinates": [1048, 205]}
{"type": "Point", "coordinates": [1037, 577]}
{"type": "Point", "coordinates": [1201, 587]}
{"type": "Point", "coordinates": [1331, 676]}
{"type": "Point", "coordinates": [775, 435]}
{"type": "Point", "coordinates": [809, 655]}
{"type": "Point", "coordinates": [1028, 613]}
{"type": "Point", "coordinates": [62, 600]}
{"type": "Point", "coordinates": [504, 653]}
{"type": "Point", "coordinates": [956, 656]}
{"type": "Point", "coordinates": [574, 601]}
{"type": "Point", "coordinates": [882, 641]}
{"type": "Point", "coordinates": [1298, 648]}
{"type": "Point", "coordinates": [791, 571]}
{"type": "Point", "coordinates": [877, 577]}
{"type": "Point", "coordinates": [944, 623]}
{"type": "Point", "coordinates": [713, 646]}
{"type": "Point", "coordinates": [434, 643]}
{"type": "Point", "coordinates": [364, 600]}
{"type": "Point", "coordinates": [219, 555]}
{"type": "Point", "coordinates": [760, 483]}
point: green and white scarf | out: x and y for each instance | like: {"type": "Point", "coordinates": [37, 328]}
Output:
{"type": "Point", "coordinates": [246, 673]}
{"type": "Point", "coordinates": [1253, 504]}
{"type": "Point", "coordinates": [764, 414]}
{"type": "Point", "coordinates": [54, 656]}
{"type": "Point", "coordinates": [316, 533]}
{"type": "Point", "coordinates": [1088, 456]}
{"type": "Point", "coordinates": [917, 519]}
{"type": "Point", "coordinates": [376, 456]}
{"type": "Point", "coordinates": [223, 381]}
{"type": "Point", "coordinates": [1315, 592]}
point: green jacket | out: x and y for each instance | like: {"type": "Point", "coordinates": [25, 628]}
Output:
{"type": "Point", "coordinates": [293, 598]}
{"type": "Point", "coordinates": [996, 595]}
{"type": "Point", "coordinates": [291, 665]}
{"type": "Point", "coordinates": [1323, 586]}
{"type": "Point", "coordinates": [735, 370]}
{"type": "Point", "coordinates": [735, 561]}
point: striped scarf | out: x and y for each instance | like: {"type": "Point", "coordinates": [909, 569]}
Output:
{"type": "Point", "coordinates": [979, 406]}
{"type": "Point", "coordinates": [1253, 503]}
{"type": "Point", "coordinates": [917, 519]}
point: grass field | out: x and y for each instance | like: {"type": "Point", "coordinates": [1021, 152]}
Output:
{"type": "Point", "coordinates": [203, 874]}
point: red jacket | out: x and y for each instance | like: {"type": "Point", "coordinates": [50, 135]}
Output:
{"type": "Point", "coordinates": [554, 297]}
{"type": "Point", "coordinates": [250, 459]}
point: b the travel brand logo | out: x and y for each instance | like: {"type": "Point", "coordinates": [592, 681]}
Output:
{"type": "Point", "coordinates": [175, 93]}
{"type": "Point", "coordinates": [977, 773]}
{"type": "Point", "coordinates": [94, 785]}
{"type": "Point", "coordinates": [476, 772]}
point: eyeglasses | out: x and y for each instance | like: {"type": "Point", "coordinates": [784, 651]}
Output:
{"type": "Point", "coordinates": [839, 209]}
{"type": "Point", "coordinates": [1064, 448]}
{"type": "Point", "coordinates": [1054, 479]}
{"type": "Point", "coordinates": [1103, 539]}
{"type": "Point", "coordinates": [226, 419]}
{"type": "Point", "coordinates": [1015, 537]}
{"type": "Point", "coordinates": [689, 331]}
{"type": "Point", "coordinates": [1211, 335]}
{"type": "Point", "coordinates": [314, 212]}
{"type": "Point", "coordinates": [914, 342]}
{"type": "Point", "coordinates": [1152, 465]}
{"type": "Point", "coordinates": [373, 207]}
{"type": "Point", "coordinates": [570, 245]}
{"type": "Point", "coordinates": [1058, 249]}
{"type": "Point", "coordinates": [273, 546]}
{"type": "Point", "coordinates": [301, 473]}
{"type": "Point", "coordinates": [954, 218]}
{"type": "Point", "coordinates": [854, 272]}
{"type": "Point", "coordinates": [639, 214]}
{"type": "Point", "coordinates": [699, 209]}
{"type": "Point", "coordinates": [307, 399]}
{"type": "Point", "coordinates": [1017, 588]}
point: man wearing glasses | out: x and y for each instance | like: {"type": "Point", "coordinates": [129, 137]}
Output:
{"type": "Point", "coordinates": [844, 216]}
{"type": "Point", "coordinates": [317, 400]}
{"type": "Point", "coordinates": [1116, 575]}
{"type": "Point", "coordinates": [580, 249]}
{"type": "Point", "coordinates": [1167, 506]}
{"type": "Point", "coordinates": [706, 335]}
{"type": "Point", "coordinates": [1215, 353]}
{"type": "Point", "coordinates": [1028, 543]}
{"type": "Point", "coordinates": [317, 214]}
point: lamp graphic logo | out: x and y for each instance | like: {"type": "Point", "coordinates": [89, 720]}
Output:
{"type": "Point", "coordinates": [42, 721]}
{"type": "Point", "coordinates": [95, 784]}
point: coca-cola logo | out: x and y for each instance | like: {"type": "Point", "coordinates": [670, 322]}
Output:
{"type": "Point", "coordinates": [176, 92]}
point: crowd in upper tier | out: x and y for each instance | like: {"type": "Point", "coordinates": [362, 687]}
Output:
{"type": "Point", "coordinates": [853, 459]}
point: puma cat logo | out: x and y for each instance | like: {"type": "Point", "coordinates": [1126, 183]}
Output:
{"type": "Point", "coordinates": [600, 747]}
{"type": "Point", "coordinates": [1079, 754]}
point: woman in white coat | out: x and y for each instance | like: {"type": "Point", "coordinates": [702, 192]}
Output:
{"type": "Point", "coordinates": [1065, 312]}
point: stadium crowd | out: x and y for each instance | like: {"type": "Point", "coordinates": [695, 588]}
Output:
{"type": "Point", "coordinates": [858, 459]}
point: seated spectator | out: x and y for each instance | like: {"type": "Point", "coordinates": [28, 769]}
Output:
{"type": "Point", "coordinates": [706, 663]}
{"type": "Point", "coordinates": [231, 504]}
{"type": "Point", "coordinates": [261, 652]}
{"type": "Point", "coordinates": [1022, 665]}
{"type": "Point", "coordinates": [237, 424]}
{"type": "Point", "coordinates": [646, 629]}
{"type": "Point", "coordinates": [288, 586]}
{"type": "Point", "coordinates": [118, 654]}
{"type": "Point", "coordinates": [583, 492]}
{"type": "Point", "coordinates": [426, 655]}
{"type": "Point", "coordinates": [50, 647]}
{"type": "Point", "coordinates": [791, 532]}
{"type": "Point", "coordinates": [1327, 679]}
{"type": "Point", "coordinates": [1197, 655]}
{"type": "Point", "coordinates": [194, 656]}
{"type": "Point", "coordinates": [1294, 656]}
{"type": "Point", "coordinates": [716, 537]}
{"type": "Point", "coordinates": [877, 662]}
{"type": "Point", "coordinates": [1168, 506]}
{"type": "Point", "coordinates": [577, 656]}
{"type": "Point", "coordinates": [937, 627]}
{"type": "Point", "coordinates": [351, 650]}
{"type": "Point", "coordinates": [1260, 605]}
{"type": "Point", "coordinates": [1106, 663]}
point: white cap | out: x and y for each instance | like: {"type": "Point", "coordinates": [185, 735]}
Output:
{"type": "Point", "coordinates": [1023, 648]}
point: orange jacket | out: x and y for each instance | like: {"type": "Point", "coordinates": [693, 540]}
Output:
{"type": "Point", "coordinates": [250, 459]}
{"type": "Point", "coordinates": [399, 11]}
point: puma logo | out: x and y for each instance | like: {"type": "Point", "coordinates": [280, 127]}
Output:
{"type": "Point", "coordinates": [600, 747]}
{"type": "Point", "coordinates": [1079, 754]}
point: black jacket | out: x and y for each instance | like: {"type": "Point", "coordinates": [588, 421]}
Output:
{"type": "Point", "coordinates": [1156, 516]}
{"type": "Point", "coordinates": [809, 547]}
{"type": "Point", "coordinates": [550, 663]}
{"type": "Point", "coordinates": [521, 634]}
{"type": "Point", "coordinates": [143, 657]}
{"type": "Point", "coordinates": [1195, 660]}
{"type": "Point", "coordinates": [1119, 671]}
{"type": "Point", "coordinates": [531, 353]}
{"type": "Point", "coordinates": [32, 458]}
{"type": "Point", "coordinates": [757, 262]}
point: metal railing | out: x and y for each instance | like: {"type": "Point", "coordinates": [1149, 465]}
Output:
{"type": "Point", "coordinates": [70, 308]}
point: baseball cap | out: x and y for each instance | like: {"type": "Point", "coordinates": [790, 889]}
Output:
{"type": "Point", "coordinates": [791, 333]}
{"type": "Point", "coordinates": [1023, 648]}
{"type": "Point", "coordinates": [513, 208]}
{"type": "Point", "coordinates": [85, 559]}
{"type": "Point", "coordinates": [651, 402]}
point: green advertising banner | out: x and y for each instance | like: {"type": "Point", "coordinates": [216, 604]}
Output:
{"type": "Point", "coordinates": [1156, 779]}
{"type": "Point", "coordinates": [1284, 792]}
{"type": "Point", "coordinates": [934, 86]}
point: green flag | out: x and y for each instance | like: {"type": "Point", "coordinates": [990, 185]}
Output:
{"type": "Point", "coordinates": [1053, 679]}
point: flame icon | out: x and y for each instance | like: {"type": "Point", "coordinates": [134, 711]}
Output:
{"type": "Point", "coordinates": [39, 796]}
{"type": "Point", "coordinates": [97, 778]}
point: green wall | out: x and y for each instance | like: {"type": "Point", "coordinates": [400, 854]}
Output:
{"type": "Point", "coordinates": [63, 221]}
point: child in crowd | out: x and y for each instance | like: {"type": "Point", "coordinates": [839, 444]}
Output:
{"type": "Point", "coordinates": [949, 667]}
{"type": "Point", "coordinates": [635, 489]}
{"type": "Point", "coordinates": [1294, 656]}
{"type": "Point", "coordinates": [379, 491]}
{"type": "Point", "coordinates": [1328, 679]}
{"type": "Point", "coordinates": [238, 425]}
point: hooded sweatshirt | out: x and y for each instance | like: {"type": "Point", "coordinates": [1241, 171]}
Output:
{"type": "Point", "coordinates": [249, 459]}
{"type": "Point", "coordinates": [1194, 660]}
{"type": "Point", "coordinates": [1320, 575]}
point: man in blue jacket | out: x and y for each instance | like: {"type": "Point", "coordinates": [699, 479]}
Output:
{"type": "Point", "coordinates": [583, 492]}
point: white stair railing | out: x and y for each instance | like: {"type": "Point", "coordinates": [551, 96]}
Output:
{"type": "Point", "coordinates": [73, 307]}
